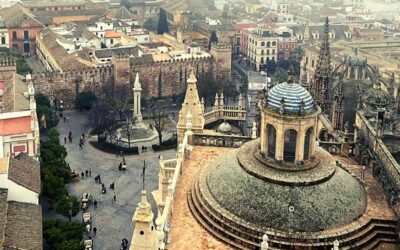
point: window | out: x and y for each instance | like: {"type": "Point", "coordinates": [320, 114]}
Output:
{"type": "Point", "coordinates": [14, 35]}
{"type": "Point", "coordinates": [26, 34]}
{"type": "Point", "coordinates": [268, 44]}
{"type": "Point", "coordinates": [262, 43]}
{"type": "Point", "coordinates": [307, 143]}
{"type": "Point", "coordinates": [111, 41]}
{"type": "Point", "coordinates": [262, 52]}
{"type": "Point", "coordinates": [290, 139]}
{"type": "Point", "coordinates": [312, 63]}
{"type": "Point", "coordinates": [3, 40]}
{"type": "Point", "coordinates": [271, 141]}
{"type": "Point", "coordinates": [273, 43]}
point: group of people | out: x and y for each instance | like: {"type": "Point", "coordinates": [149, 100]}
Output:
{"type": "Point", "coordinates": [69, 136]}
{"type": "Point", "coordinates": [87, 173]}
{"type": "Point", "coordinates": [144, 149]}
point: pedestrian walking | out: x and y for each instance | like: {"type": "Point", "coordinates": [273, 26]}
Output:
{"type": "Point", "coordinates": [87, 173]}
{"type": "Point", "coordinates": [159, 155]}
{"type": "Point", "coordinates": [99, 179]}
{"type": "Point", "coordinates": [95, 204]}
{"type": "Point", "coordinates": [90, 172]}
{"type": "Point", "coordinates": [65, 140]}
{"type": "Point", "coordinates": [115, 197]}
{"type": "Point", "coordinates": [83, 135]}
{"type": "Point", "coordinates": [64, 118]}
{"type": "Point", "coordinates": [94, 231]}
{"type": "Point", "coordinates": [96, 179]}
{"type": "Point", "coordinates": [82, 174]}
{"type": "Point", "coordinates": [88, 228]}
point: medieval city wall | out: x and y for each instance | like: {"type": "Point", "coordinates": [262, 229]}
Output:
{"type": "Point", "coordinates": [66, 85]}
{"type": "Point", "coordinates": [169, 77]}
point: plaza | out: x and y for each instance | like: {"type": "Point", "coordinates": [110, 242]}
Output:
{"type": "Point", "coordinates": [112, 220]}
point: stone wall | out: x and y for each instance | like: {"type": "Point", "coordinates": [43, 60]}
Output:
{"type": "Point", "coordinates": [168, 78]}
{"type": "Point", "coordinates": [65, 86]}
{"type": "Point", "coordinates": [157, 78]}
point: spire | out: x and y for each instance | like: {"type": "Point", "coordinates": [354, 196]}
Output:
{"type": "Point", "coordinates": [240, 103]}
{"type": "Point", "coordinates": [191, 105]}
{"type": "Point", "coordinates": [320, 83]}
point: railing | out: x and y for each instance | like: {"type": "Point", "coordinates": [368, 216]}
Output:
{"type": "Point", "coordinates": [226, 113]}
{"type": "Point", "coordinates": [171, 169]}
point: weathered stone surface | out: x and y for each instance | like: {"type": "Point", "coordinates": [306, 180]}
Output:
{"type": "Point", "coordinates": [335, 202]}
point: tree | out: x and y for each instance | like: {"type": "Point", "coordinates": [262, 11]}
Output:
{"type": "Point", "coordinates": [85, 100]}
{"type": "Point", "coordinates": [213, 39]}
{"type": "Point", "coordinates": [42, 100]}
{"type": "Point", "coordinates": [149, 24]}
{"type": "Point", "coordinates": [298, 53]}
{"type": "Point", "coordinates": [63, 235]}
{"type": "Point", "coordinates": [271, 67]}
{"type": "Point", "coordinates": [23, 67]}
{"type": "Point", "coordinates": [126, 3]}
{"type": "Point", "coordinates": [162, 26]}
{"type": "Point", "coordinates": [281, 75]}
{"type": "Point", "coordinates": [50, 117]}
{"type": "Point", "coordinates": [53, 187]}
{"type": "Point", "coordinates": [68, 206]}
{"type": "Point", "coordinates": [159, 117]}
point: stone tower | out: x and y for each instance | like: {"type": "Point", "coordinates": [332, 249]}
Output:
{"type": "Point", "coordinates": [321, 80]}
{"type": "Point", "coordinates": [137, 90]}
{"type": "Point", "coordinates": [193, 106]}
{"type": "Point", "coordinates": [144, 235]}
{"type": "Point", "coordinates": [121, 69]}
{"type": "Point", "coordinates": [222, 57]}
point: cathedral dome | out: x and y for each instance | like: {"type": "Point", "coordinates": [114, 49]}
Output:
{"type": "Point", "coordinates": [294, 97]}
{"type": "Point", "coordinates": [355, 60]}
{"type": "Point", "coordinates": [224, 128]}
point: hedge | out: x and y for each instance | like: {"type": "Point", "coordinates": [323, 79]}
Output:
{"type": "Point", "coordinates": [112, 148]}
{"type": "Point", "coordinates": [165, 145]}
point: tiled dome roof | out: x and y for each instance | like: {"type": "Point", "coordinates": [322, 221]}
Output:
{"type": "Point", "coordinates": [294, 97]}
{"type": "Point", "coordinates": [224, 127]}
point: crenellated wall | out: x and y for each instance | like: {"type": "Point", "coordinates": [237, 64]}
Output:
{"type": "Point", "coordinates": [165, 78]}
{"type": "Point", "coordinates": [65, 86]}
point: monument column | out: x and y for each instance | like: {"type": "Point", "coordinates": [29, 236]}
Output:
{"type": "Point", "coordinates": [137, 90]}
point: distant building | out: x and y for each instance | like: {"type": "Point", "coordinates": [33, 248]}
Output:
{"type": "Point", "coordinates": [19, 128]}
{"type": "Point", "coordinates": [262, 47]}
{"type": "Point", "coordinates": [144, 9]}
{"type": "Point", "coordinates": [22, 28]}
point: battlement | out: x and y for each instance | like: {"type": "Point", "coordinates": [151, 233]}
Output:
{"type": "Point", "coordinates": [121, 56]}
{"type": "Point", "coordinates": [7, 62]}
{"type": "Point", "coordinates": [108, 69]}
{"type": "Point", "coordinates": [221, 46]}
{"type": "Point", "coordinates": [140, 61]}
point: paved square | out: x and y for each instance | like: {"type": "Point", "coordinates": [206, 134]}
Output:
{"type": "Point", "coordinates": [112, 220]}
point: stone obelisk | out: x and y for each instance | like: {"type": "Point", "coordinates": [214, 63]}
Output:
{"type": "Point", "coordinates": [137, 91]}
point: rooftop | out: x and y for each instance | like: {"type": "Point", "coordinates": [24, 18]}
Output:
{"type": "Point", "coordinates": [186, 232]}
{"type": "Point", "coordinates": [14, 98]}
{"type": "Point", "coordinates": [25, 171]}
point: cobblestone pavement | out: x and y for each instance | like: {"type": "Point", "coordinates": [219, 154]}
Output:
{"type": "Point", "coordinates": [112, 220]}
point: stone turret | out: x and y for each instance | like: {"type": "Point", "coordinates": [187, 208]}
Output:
{"type": "Point", "coordinates": [193, 106]}
{"type": "Point", "coordinates": [144, 235]}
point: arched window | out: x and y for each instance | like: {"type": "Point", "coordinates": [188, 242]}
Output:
{"type": "Point", "coordinates": [307, 143]}
{"type": "Point", "coordinates": [268, 44]}
{"type": "Point", "coordinates": [271, 141]}
{"type": "Point", "coordinates": [262, 43]}
{"type": "Point", "coordinates": [290, 139]}
{"type": "Point", "coordinates": [274, 43]}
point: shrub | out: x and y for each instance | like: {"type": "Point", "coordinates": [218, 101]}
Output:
{"type": "Point", "coordinates": [42, 100]}
{"type": "Point", "coordinates": [112, 148]}
{"type": "Point", "coordinates": [85, 100]}
{"type": "Point", "coordinates": [50, 116]}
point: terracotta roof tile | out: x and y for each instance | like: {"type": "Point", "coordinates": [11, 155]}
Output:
{"type": "Point", "coordinates": [24, 226]}
{"type": "Point", "coordinates": [25, 171]}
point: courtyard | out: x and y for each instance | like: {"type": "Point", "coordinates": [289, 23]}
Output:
{"type": "Point", "coordinates": [112, 220]}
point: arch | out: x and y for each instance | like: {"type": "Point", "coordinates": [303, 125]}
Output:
{"type": "Point", "coordinates": [271, 140]}
{"type": "Point", "coordinates": [322, 134]}
{"type": "Point", "coordinates": [268, 44]}
{"type": "Point", "coordinates": [262, 43]}
{"type": "Point", "coordinates": [307, 143]}
{"type": "Point", "coordinates": [289, 147]}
